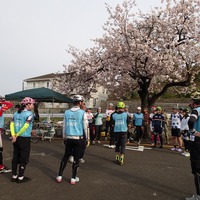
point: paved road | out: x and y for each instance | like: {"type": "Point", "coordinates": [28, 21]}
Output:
{"type": "Point", "coordinates": [151, 174]}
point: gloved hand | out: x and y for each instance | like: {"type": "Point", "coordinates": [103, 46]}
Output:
{"type": "Point", "coordinates": [88, 143]}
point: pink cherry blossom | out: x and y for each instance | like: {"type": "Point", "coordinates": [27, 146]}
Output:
{"type": "Point", "coordinates": [144, 52]}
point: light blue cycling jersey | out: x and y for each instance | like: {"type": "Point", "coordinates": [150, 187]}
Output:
{"type": "Point", "coordinates": [2, 121]}
{"type": "Point", "coordinates": [19, 121]}
{"type": "Point", "coordinates": [120, 122]}
{"type": "Point", "coordinates": [74, 124]}
{"type": "Point", "coordinates": [138, 118]}
{"type": "Point", "coordinates": [197, 122]}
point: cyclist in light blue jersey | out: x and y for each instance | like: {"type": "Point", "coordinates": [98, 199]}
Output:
{"type": "Point", "coordinates": [194, 131]}
{"type": "Point", "coordinates": [138, 122]}
{"type": "Point", "coordinates": [4, 105]}
{"type": "Point", "coordinates": [21, 128]}
{"type": "Point", "coordinates": [120, 121]}
{"type": "Point", "coordinates": [75, 126]}
{"type": "Point", "coordinates": [98, 122]}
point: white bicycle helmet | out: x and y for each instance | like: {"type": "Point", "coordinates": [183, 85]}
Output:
{"type": "Point", "coordinates": [27, 100]}
{"type": "Point", "coordinates": [77, 98]}
{"type": "Point", "coordinates": [195, 95]}
{"type": "Point", "coordinates": [2, 99]}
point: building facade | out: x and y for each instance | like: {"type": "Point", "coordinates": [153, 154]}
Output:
{"type": "Point", "coordinates": [95, 100]}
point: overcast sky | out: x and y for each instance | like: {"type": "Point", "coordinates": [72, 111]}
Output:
{"type": "Point", "coordinates": [35, 34]}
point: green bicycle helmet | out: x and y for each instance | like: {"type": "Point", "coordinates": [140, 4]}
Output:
{"type": "Point", "coordinates": [159, 108]}
{"type": "Point", "coordinates": [186, 110]}
{"type": "Point", "coordinates": [120, 104]}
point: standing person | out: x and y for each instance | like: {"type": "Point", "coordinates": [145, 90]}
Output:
{"type": "Point", "coordinates": [138, 121]}
{"type": "Point", "coordinates": [166, 130]}
{"type": "Point", "coordinates": [153, 112]}
{"type": "Point", "coordinates": [90, 117]}
{"type": "Point", "coordinates": [146, 123]}
{"type": "Point", "coordinates": [21, 128]}
{"type": "Point", "coordinates": [175, 131]}
{"type": "Point", "coordinates": [86, 139]}
{"type": "Point", "coordinates": [120, 121]}
{"type": "Point", "coordinates": [158, 123]}
{"type": "Point", "coordinates": [98, 117]}
{"type": "Point", "coordinates": [36, 113]}
{"type": "Point", "coordinates": [194, 129]}
{"type": "Point", "coordinates": [180, 110]}
{"type": "Point", "coordinates": [109, 111]}
{"type": "Point", "coordinates": [126, 109]}
{"type": "Point", "coordinates": [4, 105]}
{"type": "Point", "coordinates": [185, 132]}
{"type": "Point", "coordinates": [75, 125]}
{"type": "Point", "coordinates": [112, 135]}
{"type": "Point", "coordinates": [17, 107]}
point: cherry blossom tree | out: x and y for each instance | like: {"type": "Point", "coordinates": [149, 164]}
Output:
{"type": "Point", "coordinates": [147, 52]}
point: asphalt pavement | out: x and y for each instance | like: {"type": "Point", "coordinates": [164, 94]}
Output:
{"type": "Point", "coordinates": [151, 174]}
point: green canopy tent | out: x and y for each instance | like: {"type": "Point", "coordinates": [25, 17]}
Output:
{"type": "Point", "coordinates": [40, 95]}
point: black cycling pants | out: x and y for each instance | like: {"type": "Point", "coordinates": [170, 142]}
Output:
{"type": "Point", "coordinates": [21, 155]}
{"type": "Point", "coordinates": [75, 145]}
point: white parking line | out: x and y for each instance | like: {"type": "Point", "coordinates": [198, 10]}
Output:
{"type": "Point", "coordinates": [133, 148]}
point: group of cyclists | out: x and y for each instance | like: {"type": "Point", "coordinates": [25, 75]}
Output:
{"type": "Point", "coordinates": [185, 126]}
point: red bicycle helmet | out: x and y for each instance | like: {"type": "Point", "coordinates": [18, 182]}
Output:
{"type": "Point", "coordinates": [153, 108]}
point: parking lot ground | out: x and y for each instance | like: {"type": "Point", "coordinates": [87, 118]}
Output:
{"type": "Point", "coordinates": [151, 174]}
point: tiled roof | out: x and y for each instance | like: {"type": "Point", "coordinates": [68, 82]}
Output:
{"type": "Point", "coordinates": [46, 76]}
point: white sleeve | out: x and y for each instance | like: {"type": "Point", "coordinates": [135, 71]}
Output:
{"type": "Point", "coordinates": [85, 124]}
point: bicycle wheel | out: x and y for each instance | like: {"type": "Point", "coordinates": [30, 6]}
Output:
{"type": "Point", "coordinates": [34, 137]}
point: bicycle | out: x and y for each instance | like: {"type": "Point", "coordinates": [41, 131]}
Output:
{"type": "Point", "coordinates": [36, 133]}
{"type": "Point", "coordinates": [49, 133]}
{"type": "Point", "coordinates": [41, 132]}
